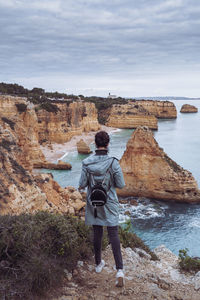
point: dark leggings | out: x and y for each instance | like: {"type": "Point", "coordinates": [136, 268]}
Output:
{"type": "Point", "coordinates": [113, 239]}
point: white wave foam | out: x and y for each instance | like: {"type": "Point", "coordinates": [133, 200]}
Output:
{"type": "Point", "coordinates": [143, 211]}
{"type": "Point", "coordinates": [195, 223]}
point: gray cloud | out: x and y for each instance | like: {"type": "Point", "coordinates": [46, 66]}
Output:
{"type": "Point", "coordinates": [103, 43]}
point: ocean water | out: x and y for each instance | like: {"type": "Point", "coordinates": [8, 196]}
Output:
{"type": "Point", "coordinates": [156, 222]}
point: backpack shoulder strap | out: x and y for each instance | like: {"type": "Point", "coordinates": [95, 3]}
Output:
{"type": "Point", "coordinates": [108, 170]}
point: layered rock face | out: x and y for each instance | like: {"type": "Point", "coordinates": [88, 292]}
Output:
{"type": "Point", "coordinates": [20, 191]}
{"type": "Point", "coordinates": [71, 119]}
{"type": "Point", "coordinates": [83, 148]}
{"type": "Point", "coordinates": [21, 118]}
{"type": "Point", "coordinates": [160, 109]}
{"type": "Point", "coordinates": [149, 172]}
{"type": "Point", "coordinates": [131, 116]}
{"type": "Point", "coordinates": [187, 108]}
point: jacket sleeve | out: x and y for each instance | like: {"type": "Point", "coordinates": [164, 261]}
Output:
{"type": "Point", "coordinates": [118, 175]}
{"type": "Point", "coordinates": [83, 181]}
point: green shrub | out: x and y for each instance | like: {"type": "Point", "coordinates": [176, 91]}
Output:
{"type": "Point", "coordinates": [35, 250]}
{"type": "Point", "coordinates": [21, 107]}
{"type": "Point", "coordinates": [130, 239]}
{"type": "Point", "coordinates": [48, 106]}
{"type": "Point", "coordinates": [188, 263]}
{"type": "Point", "coordinates": [9, 122]}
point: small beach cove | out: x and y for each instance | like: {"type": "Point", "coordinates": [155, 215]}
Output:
{"type": "Point", "coordinates": [156, 222]}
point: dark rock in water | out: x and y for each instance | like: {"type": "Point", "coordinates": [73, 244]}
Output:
{"type": "Point", "coordinates": [187, 108]}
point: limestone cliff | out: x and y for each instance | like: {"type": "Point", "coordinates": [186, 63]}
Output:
{"type": "Point", "coordinates": [149, 172]}
{"type": "Point", "coordinates": [70, 120]}
{"type": "Point", "coordinates": [160, 109]}
{"type": "Point", "coordinates": [20, 191]}
{"type": "Point", "coordinates": [131, 116]}
{"type": "Point", "coordinates": [187, 108]}
{"type": "Point", "coordinates": [19, 115]}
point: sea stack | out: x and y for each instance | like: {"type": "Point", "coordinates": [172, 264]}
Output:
{"type": "Point", "coordinates": [149, 172]}
{"type": "Point", "coordinates": [82, 147]}
{"type": "Point", "coordinates": [187, 108]}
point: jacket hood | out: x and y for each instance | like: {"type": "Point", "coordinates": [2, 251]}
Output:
{"type": "Point", "coordinates": [97, 164]}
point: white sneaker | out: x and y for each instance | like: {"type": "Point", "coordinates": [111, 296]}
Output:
{"type": "Point", "coordinates": [120, 278]}
{"type": "Point", "coordinates": [100, 266]}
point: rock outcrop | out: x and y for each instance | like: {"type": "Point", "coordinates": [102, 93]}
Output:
{"type": "Point", "coordinates": [21, 191]}
{"type": "Point", "coordinates": [61, 165]}
{"type": "Point", "coordinates": [149, 172]}
{"type": "Point", "coordinates": [187, 108]}
{"type": "Point", "coordinates": [19, 116]}
{"type": "Point", "coordinates": [160, 109]}
{"type": "Point", "coordinates": [131, 116]}
{"type": "Point", "coordinates": [83, 148]}
{"type": "Point", "coordinates": [145, 279]}
{"type": "Point", "coordinates": [70, 120]}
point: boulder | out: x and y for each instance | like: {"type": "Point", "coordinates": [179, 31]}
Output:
{"type": "Point", "coordinates": [149, 172]}
{"type": "Point", "coordinates": [187, 108]}
{"type": "Point", "coordinates": [83, 148]}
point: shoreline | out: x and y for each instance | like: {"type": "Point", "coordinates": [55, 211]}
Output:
{"type": "Point", "coordinates": [55, 151]}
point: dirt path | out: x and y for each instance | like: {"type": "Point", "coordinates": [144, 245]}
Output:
{"type": "Point", "coordinates": [145, 280]}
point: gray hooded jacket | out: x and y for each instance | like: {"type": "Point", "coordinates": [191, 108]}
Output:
{"type": "Point", "coordinates": [97, 164]}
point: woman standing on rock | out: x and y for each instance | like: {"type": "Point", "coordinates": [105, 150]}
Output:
{"type": "Point", "coordinates": [96, 168]}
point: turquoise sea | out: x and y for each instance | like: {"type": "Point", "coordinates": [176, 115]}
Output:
{"type": "Point", "coordinates": [156, 222]}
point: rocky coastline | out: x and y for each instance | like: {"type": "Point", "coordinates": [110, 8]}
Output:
{"type": "Point", "coordinates": [26, 133]}
{"type": "Point", "coordinates": [149, 172]}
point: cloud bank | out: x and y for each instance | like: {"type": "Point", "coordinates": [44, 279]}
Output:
{"type": "Point", "coordinates": [129, 48]}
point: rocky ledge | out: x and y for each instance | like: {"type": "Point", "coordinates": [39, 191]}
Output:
{"type": "Point", "coordinates": [144, 279]}
{"type": "Point", "coordinates": [149, 172]}
{"type": "Point", "coordinates": [187, 108]}
{"type": "Point", "coordinates": [59, 166]}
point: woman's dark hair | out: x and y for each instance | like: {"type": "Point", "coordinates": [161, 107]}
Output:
{"type": "Point", "coordinates": [102, 139]}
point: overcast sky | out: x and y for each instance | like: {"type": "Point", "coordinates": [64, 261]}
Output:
{"type": "Point", "coordinates": [93, 47]}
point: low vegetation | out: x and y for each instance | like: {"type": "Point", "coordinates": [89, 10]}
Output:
{"type": "Point", "coordinates": [9, 122]}
{"type": "Point", "coordinates": [188, 263]}
{"type": "Point", "coordinates": [36, 250]}
{"type": "Point", "coordinates": [47, 100]}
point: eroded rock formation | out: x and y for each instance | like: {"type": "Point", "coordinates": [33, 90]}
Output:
{"type": "Point", "coordinates": [83, 148]}
{"type": "Point", "coordinates": [149, 172]}
{"type": "Point", "coordinates": [61, 165]}
{"type": "Point", "coordinates": [70, 120]}
{"type": "Point", "coordinates": [187, 108]}
{"type": "Point", "coordinates": [20, 117]}
{"type": "Point", "coordinates": [131, 116]}
{"type": "Point", "coordinates": [160, 109]}
{"type": "Point", "coordinates": [21, 191]}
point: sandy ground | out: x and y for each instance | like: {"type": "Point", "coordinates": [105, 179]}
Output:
{"type": "Point", "coordinates": [55, 152]}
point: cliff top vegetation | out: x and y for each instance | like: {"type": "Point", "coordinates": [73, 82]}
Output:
{"type": "Point", "coordinates": [36, 250]}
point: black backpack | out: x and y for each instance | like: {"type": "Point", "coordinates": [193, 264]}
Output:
{"type": "Point", "coordinates": [98, 194]}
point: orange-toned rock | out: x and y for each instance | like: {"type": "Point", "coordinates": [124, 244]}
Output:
{"type": "Point", "coordinates": [149, 172]}
{"type": "Point", "coordinates": [187, 108]}
{"type": "Point", "coordinates": [82, 147]}
{"type": "Point", "coordinates": [21, 191]}
{"type": "Point", "coordinates": [160, 109]}
{"type": "Point", "coordinates": [70, 120]}
{"type": "Point", "coordinates": [130, 116]}
{"type": "Point", "coordinates": [48, 165]}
